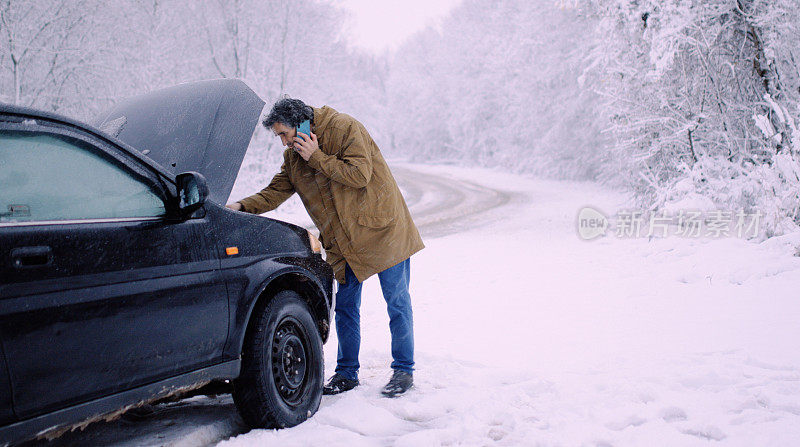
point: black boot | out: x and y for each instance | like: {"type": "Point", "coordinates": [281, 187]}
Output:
{"type": "Point", "coordinates": [339, 384]}
{"type": "Point", "coordinates": [400, 382]}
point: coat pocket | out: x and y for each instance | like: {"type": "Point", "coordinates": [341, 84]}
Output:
{"type": "Point", "coordinates": [375, 221]}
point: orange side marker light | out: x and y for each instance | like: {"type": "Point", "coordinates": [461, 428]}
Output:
{"type": "Point", "coordinates": [230, 251]}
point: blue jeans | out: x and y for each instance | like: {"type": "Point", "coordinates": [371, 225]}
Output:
{"type": "Point", "coordinates": [394, 283]}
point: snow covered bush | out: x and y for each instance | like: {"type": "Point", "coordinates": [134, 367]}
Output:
{"type": "Point", "coordinates": [704, 92]}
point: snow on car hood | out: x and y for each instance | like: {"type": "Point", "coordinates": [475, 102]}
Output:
{"type": "Point", "coordinates": [201, 126]}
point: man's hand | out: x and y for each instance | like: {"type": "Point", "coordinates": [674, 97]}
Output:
{"type": "Point", "coordinates": [305, 145]}
{"type": "Point", "coordinates": [236, 206]}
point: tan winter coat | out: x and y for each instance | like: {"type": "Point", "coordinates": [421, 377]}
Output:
{"type": "Point", "coordinates": [351, 196]}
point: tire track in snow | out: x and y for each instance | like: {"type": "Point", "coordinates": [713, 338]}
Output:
{"type": "Point", "coordinates": [445, 205]}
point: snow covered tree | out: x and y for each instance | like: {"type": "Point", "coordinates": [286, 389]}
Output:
{"type": "Point", "coordinates": [698, 105]}
{"type": "Point", "coordinates": [499, 84]}
{"type": "Point", "coordinates": [51, 53]}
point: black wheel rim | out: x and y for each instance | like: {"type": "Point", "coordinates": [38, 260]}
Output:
{"type": "Point", "coordinates": [289, 360]}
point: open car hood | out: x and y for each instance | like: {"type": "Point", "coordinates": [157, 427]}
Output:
{"type": "Point", "coordinates": [201, 126]}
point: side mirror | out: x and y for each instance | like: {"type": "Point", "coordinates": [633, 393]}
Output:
{"type": "Point", "coordinates": [192, 192]}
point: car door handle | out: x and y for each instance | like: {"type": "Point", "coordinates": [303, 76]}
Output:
{"type": "Point", "coordinates": [26, 257]}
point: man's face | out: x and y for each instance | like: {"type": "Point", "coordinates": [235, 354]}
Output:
{"type": "Point", "coordinates": [286, 134]}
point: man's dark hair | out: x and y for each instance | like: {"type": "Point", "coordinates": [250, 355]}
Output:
{"type": "Point", "coordinates": [290, 112]}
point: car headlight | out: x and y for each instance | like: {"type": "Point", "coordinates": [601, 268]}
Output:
{"type": "Point", "coordinates": [316, 246]}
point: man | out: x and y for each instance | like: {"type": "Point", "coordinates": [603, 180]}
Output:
{"type": "Point", "coordinates": [364, 224]}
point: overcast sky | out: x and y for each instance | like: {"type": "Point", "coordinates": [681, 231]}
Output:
{"type": "Point", "coordinates": [383, 24]}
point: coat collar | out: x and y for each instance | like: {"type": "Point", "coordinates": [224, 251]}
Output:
{"type": "Point", "coordinates": [322, 118]}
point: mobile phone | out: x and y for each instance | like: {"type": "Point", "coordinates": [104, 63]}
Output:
{"type": "Point", "coordinates": [305, 127]}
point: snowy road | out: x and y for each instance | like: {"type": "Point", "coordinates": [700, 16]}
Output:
{"type": "Point", "coordinates": [527, 335]}
{"type": "Point", "coordinates": [443, 204]}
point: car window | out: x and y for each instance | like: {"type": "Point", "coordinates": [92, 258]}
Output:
{"type": "Point", "coordinates": [46, 177]}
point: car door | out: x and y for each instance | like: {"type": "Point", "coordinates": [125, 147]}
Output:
{"type": "Point", "coordinates": [100, 290]}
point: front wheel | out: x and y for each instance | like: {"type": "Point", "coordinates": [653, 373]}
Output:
{"type": "Point", "coordinates": [280, 384]}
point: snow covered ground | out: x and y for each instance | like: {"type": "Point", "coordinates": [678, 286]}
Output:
{"type": "Point", "coordinates": [528, 335]}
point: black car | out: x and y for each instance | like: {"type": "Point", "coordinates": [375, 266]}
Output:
{"type": "Point", "coordinates": [122, 283]}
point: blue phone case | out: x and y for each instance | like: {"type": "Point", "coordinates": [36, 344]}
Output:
{"type": "Point", "coordinates": [305, 127]}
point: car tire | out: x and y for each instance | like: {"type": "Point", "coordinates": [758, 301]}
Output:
{"type": "Point", "coordinates": [280, 384]}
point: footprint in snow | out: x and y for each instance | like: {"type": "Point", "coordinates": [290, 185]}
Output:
{"type": "Point", "coordinates": [633, 421]}
{"type": "Point", "coordinates": [496, 434]}
{"type": "Point", "coordinates": [673, 414]}
{"type": "Point", "coordinates": [709, 433]}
